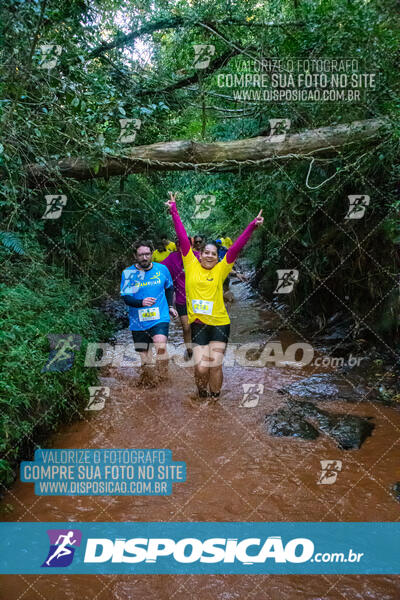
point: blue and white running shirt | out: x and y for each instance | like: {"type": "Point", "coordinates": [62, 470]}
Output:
{"type": "Point", "coordinates": [142, 284]}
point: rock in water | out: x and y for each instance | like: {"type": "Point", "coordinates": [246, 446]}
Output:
{"type": "Point", "coordinates": [305, 409]}
{"type": "Point", "coordinates": [319, 386]}
{"type": "Point", "coordinates": [284, 423]}
{"type": "Point", "coordinates": [349, 431]}
{"type": "Point", "coordinates": [328, 386]}
{"type": "Point", "coordinates": [396, 490]}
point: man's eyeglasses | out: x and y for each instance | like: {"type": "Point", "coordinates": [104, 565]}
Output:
{"type": "Point", "coordinates": [143, 254]}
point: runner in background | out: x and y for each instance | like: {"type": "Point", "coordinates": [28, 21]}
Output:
{"type": "Point", "coordinates": [174, 264]}
{"type": "Point", "coordinates": [197, 242]}
{"type": "Point", "coordinates": [147, 290]}
{"type": "Point", "coordinates": [207, 315]}
{"type": "Point", "coordinates": [222, 250]}
{"type": "Point", "coordinates": [161, 252]}
{"type": "Point", "coordinates": [170, 246]}
{"type": "Point", "coordinates": [226, 241]}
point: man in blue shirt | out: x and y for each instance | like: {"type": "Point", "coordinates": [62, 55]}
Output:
{"type": "Point", "coordinates": [221, 249]}
{"type": "Point", "coordinates": [147, 290]}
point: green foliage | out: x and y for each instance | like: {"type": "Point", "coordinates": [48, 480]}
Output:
{"type": "Point", "coordinates": [40, 301]}
{"type": "Point", "coordinates": [55, 270]}
{"type": "Point", "coordinates": [11, 241]}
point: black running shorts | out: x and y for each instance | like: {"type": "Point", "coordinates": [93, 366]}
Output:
{"type": "Point", "coordinates": [181, 309]}
{"type": "Point", "coordinates": [203, 334]}
{"type": "Point", "coordinates": [142, 339]}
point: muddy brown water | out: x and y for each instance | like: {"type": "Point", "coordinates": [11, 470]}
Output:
{"type": "Point", "coordinates": [235, 472]}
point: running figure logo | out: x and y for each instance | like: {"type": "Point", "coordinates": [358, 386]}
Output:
{"type": "Point", "coordinates": [61, 551]}
{"type": "Point", "coordinates": [204, 202]}
{"type": "Point", "coordinates": [357, 206]}
{"type": "Point", "coordinates": [251, 394]}
{"type": "Point", "coordinates": [329, 471]}
{"type": "Point", "coordinates": [50, 54]}
{"type": "Point", "coordinates": [62, 352]}
{"type": "Point", "coordinates": [156, 277]}
{"type": "Point", "coordinates": [98, 395]}
{"type": "Point", "coordinates": [279, 128]}
{"type": "Point", "coordinates": [54, 206]}
{"type": "Point", "coordinates": [129, 129]}
{"type": "Point", "coordinates": [202, 55]}
{"type": "Point", "coordinates": [131, 284]}
{"type": "Point", "coordinates": [286, 280]}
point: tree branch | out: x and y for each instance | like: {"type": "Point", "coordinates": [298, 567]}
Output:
{"type": "Point", "coordinates": [124, 40]}
{"type": "Point", "coordinates": [174, 23]}
{"type": "Point", "coordinates": [212, 67]}
{"type": "Point", "coordinates": [186, 155]}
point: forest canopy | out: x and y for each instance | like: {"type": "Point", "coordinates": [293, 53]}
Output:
{"type": "Point", "coordinates": [95, 84]}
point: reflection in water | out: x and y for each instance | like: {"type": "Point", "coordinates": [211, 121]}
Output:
{"type": "Point", "coordinates": [235, 472]}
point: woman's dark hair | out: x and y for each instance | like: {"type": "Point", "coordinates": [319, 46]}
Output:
{"type": "Point", "coordinates": [209, 243]}
{"type": "Point", "coordinates": [147, 243]}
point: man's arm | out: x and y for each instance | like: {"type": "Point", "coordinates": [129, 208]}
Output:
{"type": "Point", "coordinates": [168, 287]}
{"type": "Point", "coordinates": [130, 300]}
{"type": "Point", "coordinates": [169, 294]}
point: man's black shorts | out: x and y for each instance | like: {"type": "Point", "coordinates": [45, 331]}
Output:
{"type": "Point", "coordinates": [204, 334]}
{"type": "Point", "coordinates": [181, 309]}
{"type": "Point", "coordinates": [143, 339]}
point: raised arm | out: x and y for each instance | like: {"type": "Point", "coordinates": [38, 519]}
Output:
{"type": "Point", "coordinates": [243, 238]}
{"type": "Point", "coordinates": [179, 227]}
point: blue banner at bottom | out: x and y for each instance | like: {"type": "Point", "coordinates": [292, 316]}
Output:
{"type": "Point", "coordinates": [199, 548]}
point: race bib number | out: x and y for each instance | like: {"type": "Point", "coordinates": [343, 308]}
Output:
{"type": "Point", "coordinates": [149, 314]}
{"type": "Point", "coordinates": [202, 307]}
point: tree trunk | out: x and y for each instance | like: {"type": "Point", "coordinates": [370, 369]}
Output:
{"type": "Point", "coordinates": [184, 155]}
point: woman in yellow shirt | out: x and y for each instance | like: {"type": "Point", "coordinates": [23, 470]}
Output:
{"type": "Point", "coordinates": [164, 247]}
{"type": "Point", "coordinates": [226, 240]}
{"type": "Point", "coordinates": [160, 254]}
{"type": "Point", "coordinates": [207, 315]}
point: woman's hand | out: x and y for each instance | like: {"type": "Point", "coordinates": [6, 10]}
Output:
{"type": "Point", "coordinates": [148, 301]}
{"type": "Point", "coordinates": [259, 219]}
{"type": "Point", "coordinates": [172, 200]}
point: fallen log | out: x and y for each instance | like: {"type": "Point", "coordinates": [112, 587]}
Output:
{"type": "Point", "coordinates": [186, 155]}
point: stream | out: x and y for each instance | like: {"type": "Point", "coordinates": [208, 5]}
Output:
{"type": "Point", "coordinates": [235, 472]}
